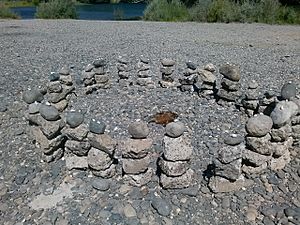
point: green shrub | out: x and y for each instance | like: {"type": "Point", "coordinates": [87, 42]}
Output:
{"type": "Point", "coordinates": [57, 9]}
{"type": "Point", "coordinates": [223, 11]}
{"type": "Point", "coordinates": [199, 11]}
{"type": "Point", "coordinates": [164, 10]}
{"type": "Point", "coordinates": [6, 13]}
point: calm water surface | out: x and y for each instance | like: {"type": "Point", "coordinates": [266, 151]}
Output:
{"type": "Point", "coordinates": [95, 12]}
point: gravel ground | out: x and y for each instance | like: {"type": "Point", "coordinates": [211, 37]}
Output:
{"type": "Point", "coordinates": [31, 49]}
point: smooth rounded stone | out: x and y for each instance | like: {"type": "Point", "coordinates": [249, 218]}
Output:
{"type": "Point", "coordinates": [191, 65]}
{"type": "Point", "coordinates": [78, 133]}
{"type": "Point", "coordinates": [100, 184]}
{"type": "Point", "coordinates": [99, 160]}
{"type": "Point", "coordinates": [97, 126]}
{"type": "Point", "coordinates": [288, 91]}
{"type": "Point", "coordinates": [183, 181]}
{"type": "Point", "coordinates": [99, 62]}
{"type": "Point", "coordinates": [268, 221]}
{"type": "Point", "coordinates": [138, 130]}
{"type": "Point", "coordinates": [54, 87]}
{"type": "Point", "coordinates": [254, 158]}
{"type": "Point", "coordinates": [230, 85]}
{"type": "Point", "coordinates": [102, 142]}
{"type": "Point", "coordinates": [167, 62]}
{"type": "Point", "coordinates": [283, 112]}
{"type": "Point", "coordinates": [140, 179]}
{"type": "Point", "coordinates": [106, 173]}
{"type": "Point", "coordinates": [79, 148]}
{"type": "Point", "coordinates": [177, 149]}
{"type": "Point", "coordinates": [230, 171]}
{"type": "Point", "coordinates": [228, 153]}
{"type": "Point", "coordinates": [281, 134]}
{"type": "Point", "coordinates": [210, 67]}
{"type": "Point", "coordinates": [49, 112]}
{"type": "Point", "coordinates": [74, 119]}
{"type": "Point", "coordinates": [252, 84]}
{"type": "Point", "coordinates": [129, 211]}
{"type": "Point", "coordinates": [231, 72]}
{"type": "Point", "coordinates": [136, 166]}
{"type": "Point", "coordinates": [222, 185]}
{"type": "Point", "coordinates": [292, 212]}
{"type": "Point", "coordinates": [89, 68]}
{"type": "Point", "coordinates": [207, 76]}
{"type": "Point", "coordinates": [144, 59]}
{"type": "Point", "coordinates": [135, 148]}
{"type": "Point", "coordinates": [61, 105]}
{"type": "Point", "coordinates": [64, 71]}
{"type": "Point", "coordinates": [34, 108]}
{"type": "Point", "coordinates": [53, 76]}
{"type": "Point", "coordinates": [260, 145]}
{"type": "Point", "coordinates": [31, 96]}
{"type": "Point", "coordinates": [173, 169]}
{"type": "Point", "coordinates": [161, 206]}
{"type": "Point", "coordinates": [175, 129]}
{"type": "Point", "coordinates": [258, 126]}
{"type": "Point", "coordinates": [233, 140]}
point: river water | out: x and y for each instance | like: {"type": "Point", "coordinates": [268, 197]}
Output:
{"type": "Point", "coordinates": [123, 11]}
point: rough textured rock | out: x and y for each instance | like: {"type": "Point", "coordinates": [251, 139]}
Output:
{"type": "Point", "coordinates": [135, 148]}
{"type": "Point", "coordinates": [228, 153]}
{"type": "Point", "coordinates": [75, 162]}
{"type": "Point", "coordinates": [177, 149]}
{"type": "Point", "coordinates": [77, 134]}
{"type": "Point", "coordinates": [283, 112]}
{"type": "Point", "coordinates": [79, 148]}
{"type": "Point", "coordinates": [230, 171]}
{"type": "Point", "coordinates": [173, 168]}
{"type": "Point", "coordinates": [102, 142]}
{"type": "Point", "coordinates": [259, 125]}
{"type": "Point", "coordinates": [136, 166]}
{"type": "Point", "coordinates": [231, 72]}
{"type": "Point", "coordinates": [98, 160]}
{"type": "Point", "coordinates": [222, 185]}
{"type": "Point", "coordinates": [182, 181]}
{"type": "Point", "coordinates": [161, 206]}
{"type": "Point", "coordinates": [260, 145]}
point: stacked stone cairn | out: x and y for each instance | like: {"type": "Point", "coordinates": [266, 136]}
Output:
{"type": "Point", "coordinates": [123, 71]}
{"type": "Point", "coordinates": [230, 90]}
{"type": "Point", "coordinates": [190, 78]}
{"type": "Point", "coordinates": [206, 84]}
{"type": "Point", "coordinates": [267, 102]}
{"type": "Point", "coordinates": [167, 73]}
{"type": "Point", "coordinates": [96, 76]}
{"type": "Point", "coordinates": [144, 73]}
{"type": "Point", "coordinates": [137, 154]}
{"type": "Point", "coordinates": [174, 164]}
{"type": "Point", "coordinates": [250, 102]}
{"type": "Point", "coordinates": [59, 88]}
{"type": "Point", "coordinates": [101, 156]}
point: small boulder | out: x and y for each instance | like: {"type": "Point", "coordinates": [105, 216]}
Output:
{"type": "Point", "coordinates": [49, 112]}
{"type": "Point", "coordinates": [288, 91]}
{"type": "Point", "coordinates": [74, 119]}
{"type": "Point", "coordinates": [231, 72]}
{"type": "Point", "coordinates": [175, 129]}
{"type": "Point", "coordinates": [138, 130]}
{"type": "Point", "coordinates": [31, 96]}
{"type": "Point", "coordinates": [259, 125]}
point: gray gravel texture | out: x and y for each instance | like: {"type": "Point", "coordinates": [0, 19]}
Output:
{"type": "Point", "coordinates": [31, 49]}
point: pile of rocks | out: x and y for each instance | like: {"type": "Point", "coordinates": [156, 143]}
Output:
{"type": "Point", "coordinates": [230, 89]}
{"type": "Point", "coordinates": [206, 83]}
{"type": "Point", "coordinates": [250, 102]}
{"type": "Point", "coordinates": [174, 164]}
{"type": "Point", "coordinates": [144, 73]}
{"type": "Point", "coordinates": [96, 76]}
{"type": "Point", "coordinates": [137, 154]}
{"type": "Point", "coordinates": [59, 88]}
{"type": "Point", "coordinates": [167, 73]}
{"type": "Point", "coordinates": [123, 71]}
{"type": "Point", "coordinates": [190, 78]}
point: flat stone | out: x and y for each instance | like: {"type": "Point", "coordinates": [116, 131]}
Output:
{"type": "Point", "coordinates": [210, 67]}
{"type": "Point", "coordinates": [167, 62]}
{"type": "Point", "coordinates": [228, 153]}
{"type": "Point", "coordinates": [78, 133]}
{"type": "Point", "coordinates": [261, 145]}
{"type": "Point", "coordinates": [177, 149]}
{"type": "Point", "coordinates": [102, 142]}
{"type": "Point", "coordinates": [255, 170]}
{"type": "Point", "coordinates": [207, 76]}
{"type": "Point", "coordinates": [100, 184]}
{"type": "Point", "coordinates": [138, 130]}
{"type": "Point", "coordinates": [74, 119]}
{"type": "Point", "coordinates": [191, 65]}
{"type": "Point", "coordinates": [99, 62]}
{"type": "Point", "coordinates": [253, 84]}
{"type": "Point", "coordinates": [161, 206]}
{"type": "Point", "coordinates": [259, 125]}
{"type": "Point", "coordinates": [175, 129]}
{"type": "Point", "coordinates": [61, 105]}
{"type": "Point", "coordinates": [146, 82]}
{"type": "Point", "coordinates": [135, 148]}
{"type": "Point", "coordinates": [106, 173]}
{"type": "Point", "coordinates": [56, 97]}
{"type": "Point", "coordinates": [80, 148]}
{"type": "Point", "coordinates": [75, 162]}
{"type": "Point", "coordinates": [255, 159]}
{"type": "Point", "coordinates": [99, 160]}
{"type": "Point", "coordinates": [277, 164]}
{"type": "Point", "coordinates": [222, 185]}
{"type": "Point", "coordinates": [54, 87]}
{"type": "Point", "coordinates": [97, 126]}
{"type": "Point", "coordinates": [250, 104]}
{"type": "Point", "coordinates": [288, 91]}
{"type": "Point", "coordinates": [230, 96]}
{"type": "Point", "coordinates": [231, 72]}
{"type": "Point", "coordinates": [88, 68]}
{"type": "Point", "coordinates": [129, 211]}
{"type": "Point", "coordinates": [173, 169]}
{"type": "Point", "coordinates": [64, 71]}
{"type": "Point", "coordinates": [140, 179]}
{"type": "Point", "coordinates": [101, 79]}
{"type": "Point", "coordinates": [233, 140]}
{"type": "Point", "coordinates": [67, 80]}
{"type": "Point", "coordinates": [167, 71]}
{"type": "Point", "coordinates": [230, 171]}
{"type": "Point", "coordinates": [49, 112]}
{"type": "Point", "coordinates": [283, 112]}
{"type": "Point", "coordinates": [179, 182]}
{"type": "Point", "coordinates": [53, 76]}
{"type": "Point", "coordinates": [230, 85]}
{"type": "Point", "coordinates": [88, 76]}
{"type": "Point", "coordinates": [34, 108]}
{"type": "Point", "coordinates": [31, 96]}
{"type": "Point", "coordinates": [136, 166]}
{"type": "Point", "coordinates": [281, 148]}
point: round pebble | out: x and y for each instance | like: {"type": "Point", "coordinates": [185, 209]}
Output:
{"type": "Point", "coordinates": [74, 119]}
{"type": "Point", "coordinates": [138, 130]}
{"type": "Point", "coordinates": [175, 129]}
{"type": "Point", "coordinates": [97, 126]}
{"type": "Point", "coordinates": [161, 206]}
{"type": "Point", "coordinates": [288, 91]}
{"type": "Point", "coordinates": [32, 96]}
{"type": "Point", "coordinates": [259, 126]}
{"type": "Point", "coordinates": [100, 184]}
{"type": "Point", "coordinates": [49, 112]}
{"type": "Point", "coordinates": [34, 108]}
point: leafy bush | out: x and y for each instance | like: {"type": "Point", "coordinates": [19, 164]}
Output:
{"type": "Point", "coordinates": [223, 11]}
{"type": "Point", "coordinates": [57, 9]}
{"type": "Point", "coordinates": [199, 11]}
{"type": "Point", "coordinates": [164, 10]}
{"type": "Point", "coordinates": [6, 13]}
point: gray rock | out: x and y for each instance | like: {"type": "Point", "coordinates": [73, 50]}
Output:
{"type": "Point", "coordinates": [228, 153]}
{"type": "Point", "coordinates": [259, 125]}
{"type": "Point", "coordinates": [31, 96]}
{"type": "Point", "coordinates": [175, 129]}
{"type": "Point", "coordinates": [173, 169]}
{"type": "Point", "coordinates": [100, 184]}
{"type": "Point", "coordinates": [106, 173]}
{"type": "Point", "coordinates": [230, 85]}
{"type": "Point", "coordinates": [183, 181]}
{"type": "Point", "coordinates": [99, 62]}
{"type": "Point", "coordinates": [254, 158]}
{"type": "Point", "coordinates": [166, 71]}
{"type": "Point", "coordinates": [129, 211]}
{"type": "Point", "coordinates": [54, 87]}
{"type": "Point", "coordinates": [89, 68]}
{"type": "Point", "coordinates": [74, 119]}
{"type": "Point", "coordinates": [233, 140]}
{"type": "Point", "coordinates": [177, 149]}
{"type": "Point", "coordinates": [261, 145]}
{"type": "Point", "coordinates": [210, 67]}
{"type": "Point", "coordinates": [222, 185]}
{"type": "Point", "coordinates": [75, 162]}
{"type": "Point", "coordinates": [230, 171]}
{"type": "Point", "coordinates": [191, 65]}
{"type": "Point", "coordinates": [161, 206]}
{"type": "Point", "coordinates": [78, 133]}
{"type": "Point", "coordinates": [56, 97]}
{"type": "Point", "coordinates": [99, 160]}
{"type": "Point", "coordinates": [135, 148]}
{"type": "Point", "coordinates": [54, 76]}
{"type": "Point", "coordinates": [97, 126]}
{"type": "Point", "coordinates": [140, 179]}
{"type": "Point", "coordinates": [138, 130]}
{"type": "Point", "coordinates": [64, 71]}
{"type": "Point", "coordinates": [252, 84]}
{"type": "Point", "coordinates": [288, 91]}
{"type": "Point", "coordinates": [229, 95]}
{"type": "Point", "coordinates": [34, 108]}
{"type": "Point", "coordinates": [231, 72]}
{"type": "Point", "coordinates": [136, 166]}
{"type": "Point", "coordinates": [283, 112]}
{"type": "Point", "coordinates": [49, 112]}
{"type": "Point", "coordinates": [207, 76]}
{"type": "Point", "coordinates": [281, 134]}
{"type": "Point", "coordinates": [101, 79]}
{"type": "Point", "coordinates": [102, 142]}
{"type": "Point", "coordinates": [167, 62]}
{"type": "Point", "coordinates": [79, 148]}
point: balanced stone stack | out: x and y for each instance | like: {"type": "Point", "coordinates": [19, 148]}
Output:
{"type": "Point", "coordinates": [59, 88]}
{"type": "Point", "coordinates": [144, 73]}
{"type": "Point", "coordinates": [101, 157]}
{"type": "Point", "coordinates": [267, 102]}
{"type": "Point", "coordinates": [250, 102]}
{"type": "Point", "coordinates": [190, 78]}
{"type": "Point", "coordinates": [206, 83]}
{"type": "Point", "coordinates": [230, 85]}
{"type": "Point", "coordinates": [137, 155]}
{"type": "Point", "coordinates": [167, 73]}
{"type": "Point", "coordinates": [175, 161]}
{"type": "Point", "coordinates": [123, 70]}
{"type": "Point", "coordinates": [96, 76]}
{"type": "Point", "coordinates": [46, 126]}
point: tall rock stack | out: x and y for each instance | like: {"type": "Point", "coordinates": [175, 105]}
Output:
{"type": "Point", "coordinates": [230, 85]}
{"type": "Point", "coordinates": [123, 71]}
{"type": "Point", "coordinates": [175, 161]}
{"type": "Point", "coordinates": [101, 157]}
{"type": "Point", "coordinates": [137, 155]}
{"type": "Point", "coordinates": [46, 126]}
{"type": "Point", "coordinates": [250, 102]}
{"type": "Point", "coordinates": [96, 76]}
{"type": "Point", "coordinates": [59, 88]}
{"type": "Point", "coordinates": [206, 84]}
{"type": "Point", "coordinates": [144, 73]}
{"type": "Point", "coordinates": [167, 73]}
{"type": "Point", "coordinates": [190, 78]}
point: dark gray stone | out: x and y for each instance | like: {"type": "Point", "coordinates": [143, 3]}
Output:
{"type": "Point", "coordinates": [231, 72]}
{"type": "Point", "coordinates": [288, 91]}
{"type": "Point", "coordinates": [233, 140]}
{"type": "Point", "coordinates": [230, 85]}
{"type": "Point", "coordinates": [31, 96]}
{"type": "Point", "coordinates": [54, 77]}
{"type": "Point", "coordinates": [49, 112]}
{"type": "Point", "coordinates": [74, 119]}
{"type": "Point", "coordinates": [97, 126]}
{"type": "Point", "coordinates": [100, 184]}
{"type": "Point", "coordinates": [161, 206]}
{"type": "Point", "coordinates": [99, 63]}
{"type": "Point", "coordinates": [191, 65]}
